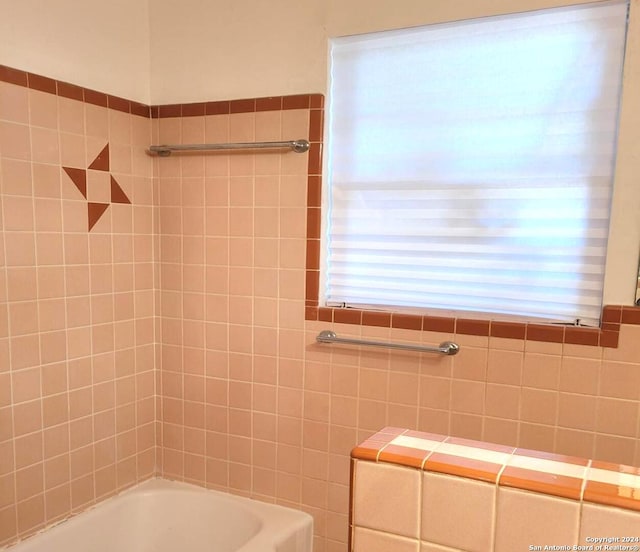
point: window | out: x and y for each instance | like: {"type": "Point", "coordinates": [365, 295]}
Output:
{"type": "Point", "coordinates": [470, 165]}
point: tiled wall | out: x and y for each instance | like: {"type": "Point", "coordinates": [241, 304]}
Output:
{"type": "Point", "coordinates": [249, 401]}
{"type": "Point", "coordinates": [76, 300]}
{"type": "Point", "coordinates": [232, 277]}
{"type": "Point", "coordinates": [416, 491]}
{"type": "Point", "coordinates": [252, 404]}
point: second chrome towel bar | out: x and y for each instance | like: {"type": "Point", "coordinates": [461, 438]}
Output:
{"type": "Point", "coordinates": [445, 348]}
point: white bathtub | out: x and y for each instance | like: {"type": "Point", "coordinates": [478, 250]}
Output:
{"type": "Point", "coordinates": [166, 516]}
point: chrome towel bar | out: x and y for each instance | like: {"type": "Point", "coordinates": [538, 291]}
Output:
{"type": "Point", "coordinates": [445, 348]}
{"type": "Point", "coordinates": [298, 146]}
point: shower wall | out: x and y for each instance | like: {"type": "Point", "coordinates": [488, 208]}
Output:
{"type": "Point", "coordinates": [247, 401]}
{"type": "Point", "coordinates": [76, 300]}
{"type": "Point", "coordinates": [251, 404]}
{"type": "Point", "coordinates": [232, 251]}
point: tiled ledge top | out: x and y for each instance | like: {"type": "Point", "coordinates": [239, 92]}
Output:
{"type": "Point", "coordinates": [552, 474]}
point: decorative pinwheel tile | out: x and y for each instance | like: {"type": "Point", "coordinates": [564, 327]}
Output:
{"type": "Point", "coordinates": [79, 178]}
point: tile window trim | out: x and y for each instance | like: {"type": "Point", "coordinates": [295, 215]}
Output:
{"type": "Point", "coordinates": [612, 315]}
{"type": "Point", "coordinates": [605, 336]}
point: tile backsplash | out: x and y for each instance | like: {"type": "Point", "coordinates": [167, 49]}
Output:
{"type": "Point", "coordinates": [173, 336]}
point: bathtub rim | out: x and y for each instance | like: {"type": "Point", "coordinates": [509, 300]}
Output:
{"type": "Point", "coordinates": [275, 517]}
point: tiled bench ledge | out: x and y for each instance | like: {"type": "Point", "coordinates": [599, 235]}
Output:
{"type": "Point", "coordinates": [414, 491]}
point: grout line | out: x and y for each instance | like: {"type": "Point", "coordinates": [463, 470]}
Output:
{"type": "Point", "coordinates": [38, 324]}
{"type": "Point", "coordinates": [10, 351]}
{"type": "Point", "coordinates": [66, 317]}
{"type": "Point", "coordinates": [585, 480]}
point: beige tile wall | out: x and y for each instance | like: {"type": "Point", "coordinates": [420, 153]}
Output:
{"type": "Point", "coordinates": [76, 309]}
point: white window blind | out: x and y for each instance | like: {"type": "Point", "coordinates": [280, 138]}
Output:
{"type": "Point", "coordinates": [470, 164]}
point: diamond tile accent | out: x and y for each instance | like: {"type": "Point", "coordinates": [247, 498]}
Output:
{"type": "Point", "coordinates": [101, 162]}
{"type": "Point", "coordinates": [79, 178]}
{"type": "Point", "coordinates": [117, 193]}
{"type": "Point", "coordinates": [95, 211]}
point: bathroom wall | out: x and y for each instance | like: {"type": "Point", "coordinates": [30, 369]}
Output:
{"type": "Point", "coordinates": [100, 45]}
{"type": "Point", "coordinates": [150, 51]}
{"type": "Point", "coordinates": [282, 47]}
{"type": "Point", "coordinates": [197, 52]}
{"type": "Point", "coordinates": [76, 300]}
{"type": "Point", "coordinates": [253, 405]}
{"type": "Point", "coordinates": [232, 278]}
{"type": "Point", "coordinates": [249, 402]}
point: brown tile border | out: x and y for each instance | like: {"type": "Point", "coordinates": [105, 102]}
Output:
{"type": "Point", "coordinates": [541, 472]}
{"type": "Point", "coordinates": [96, 98]}
{"type": "Point", "coordinates": [273, 103]}
{"type": "Point", "coordinates": [71, 91]}
{"type": "Point", "coordinates": [510, 330]}
{"type": "Point", "coordinates": [242, 106]}
{"type": "Point", "coordinates": [217, 108]}
{"type": "Point", "coordinates": [313, 102]}
{"type": "Point", "coordinates": [406, 321]}
{"type": "Point", "coordinates": [44, 84]}
{"type": "Point", "coordinates": [605, 336]}
{"type": "Point", "coordinates": [379, 319]}
{"type": "Point", "coordinates": [348, 316]}
{"type": "Point", "coordinates": [250, 105]}
{"type": "Point", "coordinates": [581, 336]}
{"type": "Point", "coordinates": [194, 110]}
{"type": "Point", "coordinates": [473, 327]}
{"type": "Point", "coordinates": [438, 324]}
{"type": "Point", "coordinates": [612, 314]}
{"type": "Point", "coordinates": [545, 332]}
{"type": "Point", "coordinates": [139, 109]}
{"type": "Point", "coordinates": [631, 315]}
{"type": "Point", "coordinates": [13, 76]}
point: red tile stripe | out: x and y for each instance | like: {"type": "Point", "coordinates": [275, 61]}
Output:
{"type": "Point", "coordinates": [71, 91]}
{"type": "Point", "coordinates": [250, 105]}
{"type": "Point", "coordinates": [314, 102]}
{"type": "Point", "coordinates": [546, 473]}
{"type": "Point", "coordinates": [606, 336]}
